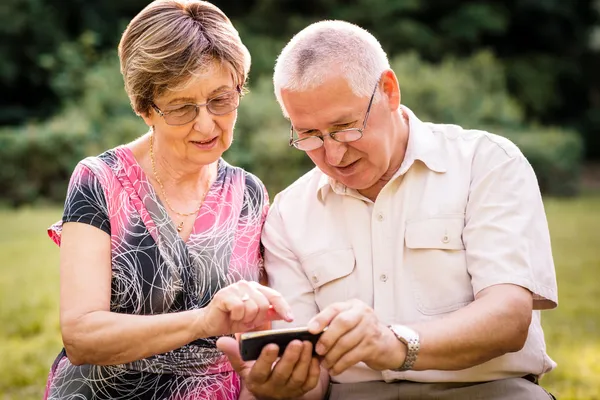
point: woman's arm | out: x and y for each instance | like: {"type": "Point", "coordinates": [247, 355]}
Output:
{"type": "Point", "coordinates": [92, 334]}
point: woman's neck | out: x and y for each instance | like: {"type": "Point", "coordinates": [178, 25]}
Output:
{"type": "Point", "coordinates": [178, 178]}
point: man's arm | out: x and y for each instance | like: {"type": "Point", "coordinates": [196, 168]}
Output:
{"type": "Point", "coordinates": [496, 323]}
{"type": "Point", "coordinates": [509, 259]}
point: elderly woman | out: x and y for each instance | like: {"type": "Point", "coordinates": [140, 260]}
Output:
{"type": "Point", "coordinates": [160, 249]}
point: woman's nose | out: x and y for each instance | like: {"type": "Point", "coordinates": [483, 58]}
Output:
{"type": "Point", "coordinates": [204, 122]}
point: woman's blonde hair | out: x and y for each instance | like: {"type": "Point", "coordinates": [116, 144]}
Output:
{"type": "Point", "coordinates": [171, 40]}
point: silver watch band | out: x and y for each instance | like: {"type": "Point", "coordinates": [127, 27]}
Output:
{"type": "Point", "coordinates": [411, 339]}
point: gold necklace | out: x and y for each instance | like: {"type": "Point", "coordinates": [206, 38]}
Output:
{"type": "Point", "coordinates": [162, 189]}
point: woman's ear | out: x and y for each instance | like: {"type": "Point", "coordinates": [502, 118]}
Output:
{"type": "Point", "coordinates": [391, 89]}
{"type": "Point", "coordinates": [147, 117]}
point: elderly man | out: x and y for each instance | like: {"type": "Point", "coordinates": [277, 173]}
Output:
{"type": "Point", "coordinates": [424, 248]}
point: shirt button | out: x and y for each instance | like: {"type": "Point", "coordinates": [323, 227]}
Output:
{"type": "Point", "coordinates": [315, 279]}
{"type": "Point", "coordinates": [380, 217]}
{"type": "Point", "coordinates": [445, 239]}
{"type": "Point", "coordinates": [383, 278]}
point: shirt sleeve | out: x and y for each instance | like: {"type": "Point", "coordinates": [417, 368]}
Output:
{"type": "Point", "coordinates": [255, 209]}
{"type": "Point", "coordinates": [506, 233]}
{"type": "Point", "coordinates": [85, 203]}
{"type": "Point", "coordinates": [284, 271]}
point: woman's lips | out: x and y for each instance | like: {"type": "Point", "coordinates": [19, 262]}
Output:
{"type": "Point", "coordinates": [206, 144]}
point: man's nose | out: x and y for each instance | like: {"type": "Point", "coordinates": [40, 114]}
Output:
{"type": "Point", "coordinates": [334, 151]}
{"type": "Point", "coordinates": [204, 122]}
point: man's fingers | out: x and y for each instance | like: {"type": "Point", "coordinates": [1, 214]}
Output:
{"type": "Point", "coordinates": [261, 371]}
{"type": "Point", "coordinates": [349, 359]}
{"type": "Point", "coordinates": [286, 364]}
{"type": "Point", "coordinates": [346, 342]}
{"type": "Point", "coordinates": [343, 322]}
{"type": "Point", "coordinates": [314, 374]}
{"type": "Point", "coordinates": [324, 318]}
{"type": "Point", "coordinates": [229, 346]}
{"type": "Point", "coordinates": [300, 372]}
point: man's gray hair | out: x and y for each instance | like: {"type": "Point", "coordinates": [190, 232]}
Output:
{"type": "Point", "coordinates": [325, 49]}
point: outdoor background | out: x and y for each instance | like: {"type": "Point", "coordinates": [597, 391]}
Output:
{"type": "Point", "coordinates": [526, 69]}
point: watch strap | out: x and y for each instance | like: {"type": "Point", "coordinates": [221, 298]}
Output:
{"type": "Point", "coordinates": [411, 339]}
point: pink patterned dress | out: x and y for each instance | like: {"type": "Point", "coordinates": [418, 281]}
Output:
{"type": "Point", "coordinates": [154, 271]}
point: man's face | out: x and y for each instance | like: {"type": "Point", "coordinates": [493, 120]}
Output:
{"type": "Point", "coordinates": [332, 107]}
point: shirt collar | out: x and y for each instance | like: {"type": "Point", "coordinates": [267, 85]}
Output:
{"type": "Point", "coordinates": [422, 145]}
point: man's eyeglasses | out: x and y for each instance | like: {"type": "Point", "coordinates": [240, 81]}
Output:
{"type": "Point", "coordinates": [312, 142]}
{"type": "Point", "coordinates": [186, 113]}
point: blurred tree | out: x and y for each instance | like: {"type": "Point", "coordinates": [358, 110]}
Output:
{"type": "Point", "coordinates": [544, 45]}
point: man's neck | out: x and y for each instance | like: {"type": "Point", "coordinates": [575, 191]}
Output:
{"type": "Point", "coordinates": [401, 126]}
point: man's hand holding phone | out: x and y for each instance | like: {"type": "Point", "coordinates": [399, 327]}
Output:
{"type": "Point", "coordinates": [271, 376]}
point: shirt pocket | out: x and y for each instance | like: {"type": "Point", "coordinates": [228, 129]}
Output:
{"type": "Point", "coordinates": [436, 263]}
{"type": "Point", "coordinates": [331, 276]}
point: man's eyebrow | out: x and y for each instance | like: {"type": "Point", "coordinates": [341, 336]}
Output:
{"type": "Point", "coordinates": [193, 99]}
{"type": "Point", "coordinates": [345, 119]}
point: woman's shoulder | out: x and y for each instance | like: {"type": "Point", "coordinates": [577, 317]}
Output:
{"type": "Point", "coordinates": [249, 179]}
{"type": "Point", "coordinates": [253, 185]}
{"type": "Point", "coordinates": [110, 161]}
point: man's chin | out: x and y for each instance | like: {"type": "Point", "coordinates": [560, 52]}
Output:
{"type": "Point", "coordinates": [354, 182]}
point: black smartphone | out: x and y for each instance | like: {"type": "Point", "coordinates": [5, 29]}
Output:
{"type": "Point", "coordinates": [252, 343]}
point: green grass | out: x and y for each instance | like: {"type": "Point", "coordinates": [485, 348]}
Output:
{"type": "Point", "coordinates": [29, 330]}
{"type": "Point", "coordinates": [573, 329]}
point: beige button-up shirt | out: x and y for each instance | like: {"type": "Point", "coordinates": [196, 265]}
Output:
{"type": "Point", "coordinates": [462, 213]}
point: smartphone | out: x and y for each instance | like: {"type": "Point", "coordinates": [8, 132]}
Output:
{"type": "Point", "coordinates": [252, 343]}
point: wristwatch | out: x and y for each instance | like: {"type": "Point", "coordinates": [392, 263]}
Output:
{"type": "Point", "coordinates": [411, 339]}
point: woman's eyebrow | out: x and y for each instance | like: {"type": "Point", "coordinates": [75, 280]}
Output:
{"type": "Point", "coordinates": [193, 99]}
{"type": "Point", "coordinates": [182, 100]}
{"type": "Point", "coordinates": [220, 88]}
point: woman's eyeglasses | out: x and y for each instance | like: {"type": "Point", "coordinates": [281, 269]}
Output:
{"type": "Point", "coordinates": [186, 113]}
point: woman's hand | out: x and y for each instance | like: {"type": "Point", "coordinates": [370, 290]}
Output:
{"type": "Point", "coordinates": [243, 306]}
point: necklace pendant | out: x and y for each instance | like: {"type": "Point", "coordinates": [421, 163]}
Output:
{"type": "Point", "coordinates": [180, 226]}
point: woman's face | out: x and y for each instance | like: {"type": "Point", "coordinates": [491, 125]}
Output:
{"type": "Point", "coordinates": [204, 139]}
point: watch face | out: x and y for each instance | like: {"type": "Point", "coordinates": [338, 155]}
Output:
{"type": "Point", "coordinates": [411, 339]}
{"type": "Point", "coordinates": [404, 332]}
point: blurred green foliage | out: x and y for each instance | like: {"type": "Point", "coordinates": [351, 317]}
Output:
{"type": "Point", "coordinates": [511, 67]}
{"type": "Point", "coordinates": [546, 47]}
{"type": "Point", "coordinates": [38, 158]}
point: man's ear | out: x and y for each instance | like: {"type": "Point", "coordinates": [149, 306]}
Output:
{"type": "Point", "coordinates": [391, 89]}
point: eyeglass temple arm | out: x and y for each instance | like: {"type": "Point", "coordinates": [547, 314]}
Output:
{"type": "Point", "coordinates": [291, 143]}
{"type": "Point", "coordinates": [158, 111]}
{"type": "Point", "coordinates": [369, 106]}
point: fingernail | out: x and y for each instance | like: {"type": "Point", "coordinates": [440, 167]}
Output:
{"type": "Point", "coordinates": [289, 316]}
{"type": "Point", "coordinates": [320, 349]}
{"type": "Point", "coordinates": [313, 326]}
